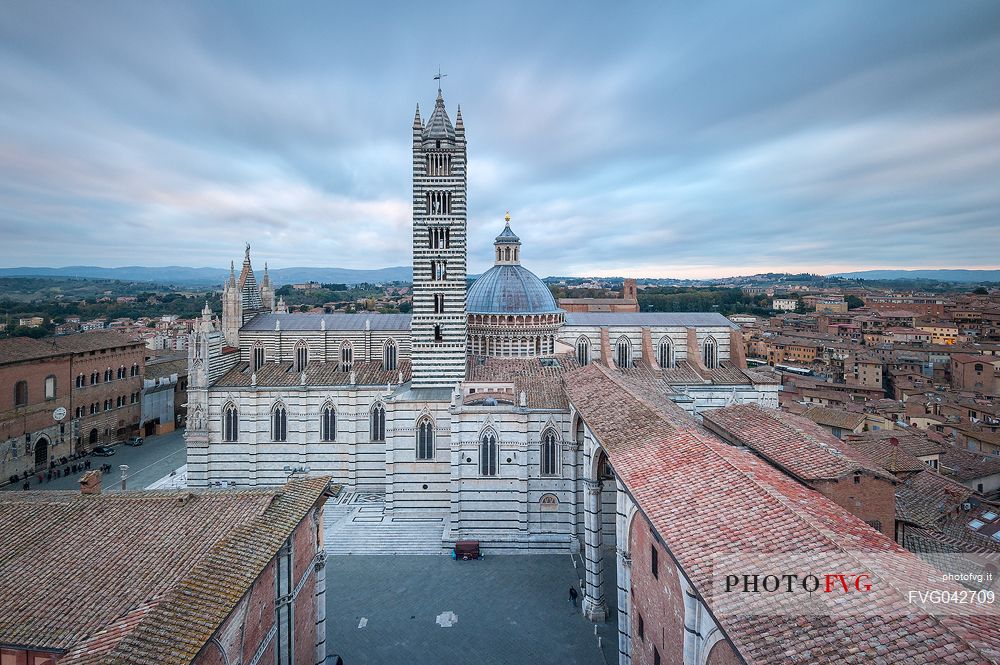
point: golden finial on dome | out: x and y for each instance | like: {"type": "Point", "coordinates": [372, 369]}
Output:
{"type": "Point", "coordinates": [506, 217]}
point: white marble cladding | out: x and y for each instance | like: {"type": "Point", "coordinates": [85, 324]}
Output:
{"type": "Point", "coordinates": [323, 345]}
{"type": "Point", "coordinates": [677, 336]}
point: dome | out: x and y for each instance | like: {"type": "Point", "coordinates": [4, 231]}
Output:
{"type": "Point", "coordinates": [510, 289]}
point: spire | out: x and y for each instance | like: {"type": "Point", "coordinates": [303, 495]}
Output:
{"type": "Point", "coordinates": [232, 273]}
{"type": "Point", "coordinates": [459, 125]}
{"type": "Point", "coordinates": [417, 122]}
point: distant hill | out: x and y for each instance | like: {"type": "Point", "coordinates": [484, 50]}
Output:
{"type": "Point", "coordinates": [216, 276]}
{"type": "Point", "coordinates": [937, 275]}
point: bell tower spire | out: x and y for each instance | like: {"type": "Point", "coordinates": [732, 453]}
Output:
{"type": "Point", "coordinates": [438, 322]}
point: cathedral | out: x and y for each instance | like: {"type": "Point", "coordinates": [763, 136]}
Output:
{"type": "Point", "coordinates": [462, 406]}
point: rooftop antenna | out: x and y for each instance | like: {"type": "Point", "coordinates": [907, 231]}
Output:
{"type": "Point", "coordinates": [438, 79]}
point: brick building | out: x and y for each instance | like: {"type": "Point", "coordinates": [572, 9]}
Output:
{"type": "Point", "coordinates": [107, 369]}
{"type": "Point", "coordinates": [244, 584]}
{"type": "Point", "coordinates": [36, 383]}
{"type": "Point", "coordinates": [629, 302]}
{"type": "Point", "coordinates": [96, 377]}
{"type": "Point", "coordinates": [975, 373]}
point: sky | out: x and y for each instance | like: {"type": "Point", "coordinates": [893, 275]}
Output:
{"type": "Point", "coordinates": [662, 139]}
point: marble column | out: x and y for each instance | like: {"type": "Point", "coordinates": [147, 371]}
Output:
{"type": "Point", "coordinates": [595, 607]}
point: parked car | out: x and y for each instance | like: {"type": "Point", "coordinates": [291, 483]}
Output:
{"type": "Point", "coordinates": [103, 451]}
{"type": "Point", "coordinates": [134, 441]}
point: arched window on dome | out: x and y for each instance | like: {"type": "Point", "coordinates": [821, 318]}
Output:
{"type": "Point", "coordinates": [549, 453]}
{"type": "Point", "coordinates": [328, 424]}
{"type": "Point", "coordinates": [279, 423]}
{"type": "Point", "coordinates": [710, 353]}
{"type": "Point", "coordinates": [378, 422]}
{"type": "Point", "coordinates": [230, 424]}
{"type": "Point", "coordinates": [425, 439]}
{"type": "Point", "coordinates": [489, 454]}
{"type": "Point", "coordinates": [623, 352]}
{"type": "Point", "coordinates": [583, 350]}
{"type": "Point", "coordinates": [665, 354]}
{"type": "Point", "coordinates": [389, 355]}
{"type": "Point", "coordinates": [346, 357]}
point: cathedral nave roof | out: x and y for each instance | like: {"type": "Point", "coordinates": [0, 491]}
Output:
{"type": "Point", "coordinates": [279, 375]}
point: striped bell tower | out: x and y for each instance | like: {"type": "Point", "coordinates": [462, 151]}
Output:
{"type": "Point", "coordinates": [438, 322]}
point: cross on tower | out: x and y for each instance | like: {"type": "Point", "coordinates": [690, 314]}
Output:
{"type": "Point", "coordinates": [438, 79]}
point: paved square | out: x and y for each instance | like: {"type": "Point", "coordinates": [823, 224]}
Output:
{"type": "Point", "coordinates": [433, 610]}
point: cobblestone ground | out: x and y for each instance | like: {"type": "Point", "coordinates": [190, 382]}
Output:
{"type": "Point", "coordinates": [156, 458]}
{"type": "Point", "coordinates": [433, 610]}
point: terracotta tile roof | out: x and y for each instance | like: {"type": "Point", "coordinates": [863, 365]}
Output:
{"type": "Point", "coordinates": [893, 459]}
{"type": "Point", "coordinates": [191, 612]}
{"type": "Point", "coordinates": [21, 349]}
{"type": "Point", "coordinates": [367, 373]}
{"type": "Point", "coordinates": [112, 578]}
{"type": "Point", "coordinates": [928, 498]}
{"type": "Point", "coordinates": [542, 384]}
{"type": "Point", "coordinates": [799, 446]}
{"type": "Point", "coordinates": [835, 417]}
{"type": "Point", "coordinates": [95, 340]}
{"type": "Point", "coordinates": [966, 465]}
{"type": "Point", "coordinates": [913, 441]}
{"type": "Point", "coordinates": [705, 498]}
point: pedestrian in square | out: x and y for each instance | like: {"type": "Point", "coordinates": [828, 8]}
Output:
{"type": "Point", "coordinates": [572, 595]}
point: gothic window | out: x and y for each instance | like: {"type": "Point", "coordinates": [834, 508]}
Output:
{"type": "Point", "coordinates": [583, 350]}
{"type": "Point", "coordinates": [346, 357]}
{"type": "Point", "coordinates": [50, 387]}
{"type": "Point", "coordinates": [328, 424]}
{"type": "Point", "coordinates": [438, 303]}
{"type": "Point", "coordinates": [489, 454]}
{"type": "Point", "coordinates": [425, 439]}
{"type": "Point", "coordinates": [230, 424]}
{"type": "Point", "coordinates": [279, 423]}
{"type": "Point", "coordinates": [21, 393]}
{"type": "Point", "coordinates": [95, 377]}
{"type": "Point", "coordinates": [301, 356]}
{"type": "Point", "coordinates": [550, 453]}
{"type": "Point", "coordinates": [389, 355]}
{"type": "Point", "coordinates": [258, 356]}
{"type": "Point", "coordinates": [548, 503]}
{"type": "Point", "coordinates": [108, 376]}
{"type": "Point", "coordinates": [664, 355]}
{"type": "Point", "coordinates": [580, 431]}
{"type": "Point", "coordinates": [439, 270]}
{"type": "Point", "coordinates": [623, 352]}
{"type": "Point", "coordinates": [378, 423]}
{"type": "Point", "coordinates": [135, 369]}
{"type": "Point", "coordinates": [710, 353]}
{"type": "Point", "coordinates": [121, 373]}
{"type": "Point", "coordinates": [81, 380]}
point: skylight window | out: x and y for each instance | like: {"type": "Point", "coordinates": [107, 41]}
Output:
{"type": "Point", "coordinates": [990, 516]}
{"type": "Point", "coordinates": [975, 524]}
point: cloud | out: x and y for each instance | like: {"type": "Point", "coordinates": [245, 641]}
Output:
{"type": "Point", "coordinates": [669, 139]}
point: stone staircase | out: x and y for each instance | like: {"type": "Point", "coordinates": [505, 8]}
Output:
{"type": "Point", "coordinates": [357, 525]}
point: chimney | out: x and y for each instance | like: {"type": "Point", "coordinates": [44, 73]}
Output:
{"type": "Point", "coordinates": [90, 483]}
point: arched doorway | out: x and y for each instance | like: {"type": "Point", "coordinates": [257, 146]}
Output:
{"type": "Point", "coordinates": [93, 435]}
{"type": "Point", "coordinates": [41, 452]}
